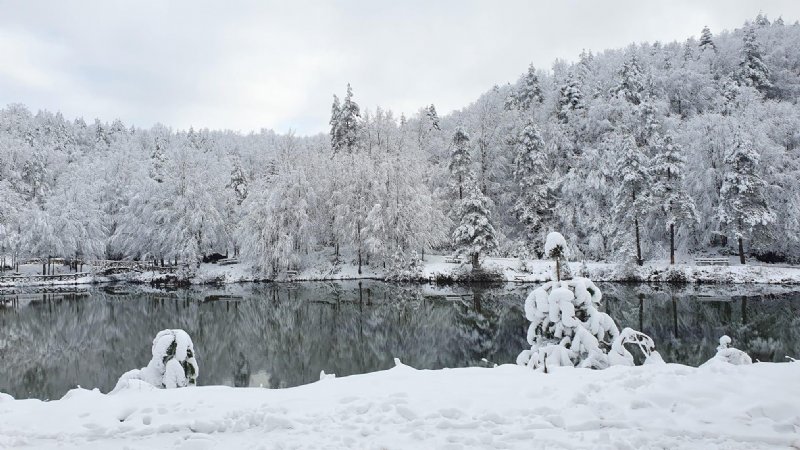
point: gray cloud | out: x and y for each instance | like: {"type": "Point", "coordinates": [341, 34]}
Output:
{"type": "Point", "coordinates": [252, 65]}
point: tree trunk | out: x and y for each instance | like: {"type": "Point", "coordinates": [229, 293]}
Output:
{"type": "Point", "coordinates": [44, 268]}
{"type": "Point", "coordinates": [672, 243]}
{"type": "Point", "coordinates": [641, 311]}
{"type": "Point", "coordinates": [638, 243]}
{"type": "Point", "coordinates": [476, 264]}
{"type": "Point", "coordinates": [675, 316]}
{"type": "Point", "coordinates": [558, 269]}
{"type": "Point", "coordinates": [741, 250]}
{"type": "Point", "coordinates": [359, 261]}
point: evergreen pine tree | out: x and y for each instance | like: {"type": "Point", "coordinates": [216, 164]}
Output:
{"type": "Point", "coordinates": [630, 199]}
{"type": "Point", "coordinates": [730, 93]}
{"type": "Point", "coordinates": [762, 20]}
{"type": "Point", "coordinates": [743, 205]}
{"type": "Point", "coordinates": [460, 160]}
{"type": "Point", "coordinates": [475, 233]}
{"type": "Point", "coordinates": [631, 86]}
{"type": "Point", "coordinates": [707, 41]}
{"type": "Point", "coordinates": [570, 98]}
{"type": "Point", "coordinates": [529, 92]}
{"type": "Point", "coordinates": [433, 117]}
{"type": "Point", "coordinates": [675, 202]}
{"type": "Point", "coordinates": [688, 51]}
{"type": "Point", "coordinates": [337, 141]}
{"type": "Point", "coordinates": [344, 123]}
{"type": "Point", "coordinates": [752, 70]}
{"type": "Point", "coordinates": [534, 199]}
{"type": "Point", "coordinates": [349, 121]}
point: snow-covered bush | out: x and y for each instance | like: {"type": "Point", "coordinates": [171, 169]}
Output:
{"type": "Point", "coordinates": [172, 365]}
{"type": "Point", "coordinates": [568, 329]}
{"type": "Point", "coordinates": [728, 354]}
{"type": "Point", "coordinates": [405, 269]}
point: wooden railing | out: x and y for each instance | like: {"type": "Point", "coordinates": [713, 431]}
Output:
{"type": "Point", "coordinates": [43, 278]}
{"type": "Point", "coordinates": [711, 261]}
{"type": "Point", "coordinates": [106, 264]}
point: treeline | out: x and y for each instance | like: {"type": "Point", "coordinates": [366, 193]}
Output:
{"type": "Point", "coordinates": [630, 153]}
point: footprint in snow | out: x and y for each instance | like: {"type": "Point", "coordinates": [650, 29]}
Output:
{"type": "Point", "coordinates": [123, 415]}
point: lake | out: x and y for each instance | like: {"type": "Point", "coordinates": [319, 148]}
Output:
{"type": "Point", "coordinates": [279, 335]}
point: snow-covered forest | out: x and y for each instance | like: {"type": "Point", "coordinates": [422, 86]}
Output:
{"type": "Point", "coordinates": [624, 151]}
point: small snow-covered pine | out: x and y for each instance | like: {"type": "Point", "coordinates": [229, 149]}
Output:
{"type": "Point", "coordinates": [173, 364]}
{"type": "Point", "coordinates": [568, 329]}
{"type": "Point", "coordinates": [728, 354]}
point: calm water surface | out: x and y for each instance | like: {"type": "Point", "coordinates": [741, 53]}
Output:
{"type": "Point", "coordinates": [280, 335]}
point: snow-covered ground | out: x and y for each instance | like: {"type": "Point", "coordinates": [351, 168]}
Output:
{"type": "Point", "coordinates": [436, 267]}
{"type": "Point", "coordinates": [657, 406]}
{"type": "Point", "coordinates": [532, 271]}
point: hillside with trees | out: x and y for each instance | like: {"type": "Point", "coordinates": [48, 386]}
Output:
{"type": "Point", "coordinates": [651, 151]}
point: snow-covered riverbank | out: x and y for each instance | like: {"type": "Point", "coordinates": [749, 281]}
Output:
{"type": "Point", "coordinates": [657, 406]}
{"type": "Point", "coordinates": [436, 267]}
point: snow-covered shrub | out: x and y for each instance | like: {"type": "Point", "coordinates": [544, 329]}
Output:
{"type": "Point", "coordinates": [728, 354]}
{"type": "Point", "coordinates": [405, 268]}
{"type": "Point", "coordinates": [172, 365]}
{"type": "Point", "coordinates": [568, 329]}
{"type": "Point", "coordinates": [583, 270]}
{"type": "Point", "coordinates": [523, 266]}
{"type": "Point", "coordinates": [675, 275]}
{"type": "Point", "coordinates": [488, 273]}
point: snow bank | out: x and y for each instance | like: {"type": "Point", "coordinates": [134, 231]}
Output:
{"type": "Point", "coordinates": [661, 406]}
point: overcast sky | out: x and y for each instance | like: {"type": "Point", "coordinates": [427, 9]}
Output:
{"type": "Point", "coordinates": [251, 65]}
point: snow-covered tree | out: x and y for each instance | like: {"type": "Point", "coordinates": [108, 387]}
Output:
{"type": "Point", "coordinates": [475, 234]}
{"type": "Point", "coordinates": [555, 248]}
{"type": "Point", "coordinates": [432, 116]}
{"type": "Point", "coordinates": [527, 94]}
{"type": "Point", "coordinates": [534, 200]}
{"type": "Point", "coordinates": [631, 202]}
{"type": "Point", "coordinates": [707, 41]}
{"type": "Point", "coordinates": [667, 169]}
{"type": "Point", "coordinates": [752, 69]}
{"type": "Point", "coordinates": [276, 230]}
{"type": "Point", "coordinates": [35, 174]}
{"type": "Point", "coordinates": [460, 163]}
{"type": "Point", "coordinates": [173, 365]}
{"type": "Point", "coordinates": [568, 329]}
{"type": "Point", "coordinates": [345, 123]}
{"type": "Point", "coordinates": [570, 98]}
{"type": "Point", "coordinates": [743, 206]}
{"type": "Point", "coordinates": [631, 84]}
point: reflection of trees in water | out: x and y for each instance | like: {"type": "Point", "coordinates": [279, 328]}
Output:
{"type": "Point", "coordinates": [278, 333]}
{"type": "Point", "coordinates": [285, 334]}
{"type": "Point", "coordinates": [687, 330]}
{"type": "Point", "coordinates": [489, 325]}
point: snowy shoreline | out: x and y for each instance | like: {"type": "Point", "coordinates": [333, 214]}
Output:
{"type": "Point", "coordinates": [436, 270]}
{"type": "Point", "coordinates": [664, 406]}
